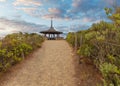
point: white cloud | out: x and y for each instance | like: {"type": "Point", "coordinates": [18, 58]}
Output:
{"type": "Point", "coordinates": [2, 0]}
{"type": "Point", "coordinates": [13, 26]}
{"type": "Point", "coordinates": [28, 10]}
{"type": "Point", "coordinates": [27, 3]}
{"type": "Point", "coordinates": [28, 6]}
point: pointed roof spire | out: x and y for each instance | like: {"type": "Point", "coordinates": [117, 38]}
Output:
{"type": "Point", "coordinates": [51, 22]}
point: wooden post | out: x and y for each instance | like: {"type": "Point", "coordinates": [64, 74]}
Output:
{"type": "Point", "coordinates": [57, 36]}
{"type": "Point", "coordinates": [45, 35]}
{"type": "Point", "coordinates": [54, 36]}
{"type": "Point", "coordinates": [81, 40]}
{"type": "Point", "coordinates": [49, 36]}
{"type": "Point", "coordinates": [75, 41]}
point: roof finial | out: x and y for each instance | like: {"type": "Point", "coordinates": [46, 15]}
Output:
{"type": "Point", "coordinates": [51, 22]}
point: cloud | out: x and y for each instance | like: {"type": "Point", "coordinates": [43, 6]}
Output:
{"type": "Point", "coordinates": [54, 10]}
{"type": "Point", "coordinates": [58, 13]}
{"type": "Point", "coordinates": [86, 19]}
{"type": "Point", "coordinates": [86, 6]}
{"type": "Point", "coordinates": [13, 26]}
{"type": "Point", "coordinates": [30, 7]}
{"type": "Point", "coordinates": [2, 29]}
{"type": "Point", "coordinates": [73, 9]}
{"type": "Point", "coordinates": [85, 11]}
{"type": "Point", "coordinates": [62, 28]}
{"type": "Point", "coordinates": [47, 9]}
{"type": "Point", "coordinates": [78, 9]}
{"type": "Point", "coordinates": [27, 10]}
{"type": "Point", "coordinates": [78, 27]}
{"type": "Point", "coordinates": [10, 26]}
{"type": "Point", "coordinates": [27, 3]}
{"type": "Point", "coordinates": [76, 3]}
{"type": "Point", "coordinates": [2, 0]}
{"type": "Point", "coordinates": [111, 2]}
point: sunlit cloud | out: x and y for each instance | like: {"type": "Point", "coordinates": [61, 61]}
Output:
{"type": "Point", "coordinates": [54, 10]}
{"type": "Point", "coordinates": [29, 10]}
{"type": "Point", "coordinates": [12, 26]}
{"type": "Point", "coordinates": [2, 0]}
{"type": "Point", "coordinates": [27, 3]}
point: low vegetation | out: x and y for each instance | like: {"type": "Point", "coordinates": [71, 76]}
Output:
{"type": "Point", "coordinates": [101, 44]}
{"type": "Point", "coordinates": [14, 47]}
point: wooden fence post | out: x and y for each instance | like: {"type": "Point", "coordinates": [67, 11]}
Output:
{"type": "Point", "coordinates": [75, 41]}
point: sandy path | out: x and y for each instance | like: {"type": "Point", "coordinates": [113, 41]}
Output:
{"type": "Point", "coordinates": [52, 65]}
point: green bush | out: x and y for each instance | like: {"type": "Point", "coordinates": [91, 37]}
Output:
{"type": "Point", "coordinates": [110, 73]}
{"type": "Point", "coordinates": [14, 47]}
{"type": "Point", "coordinates": [101, 44]}
{"type": "Point", "coordinates": [85, 50]}
{"type": "Point", "coordinates": [71, 38]}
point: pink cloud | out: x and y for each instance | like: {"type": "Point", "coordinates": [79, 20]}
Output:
{"type": "Point", "coordinates": [86, 19]}
{"type": "Point", "coordinates": [111, 2]}
{"type": "Point", "coordinates": [27, 3]}
{"type": "Point", "coordinates": [28, 10]}
{"type": "Point", "coordinates": [76, 3]}
{"type": "Point", "coordinates": [54, 10]}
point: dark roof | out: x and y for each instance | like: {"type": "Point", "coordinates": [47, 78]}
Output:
{"type": "Point", "coordinates": [52, 31]}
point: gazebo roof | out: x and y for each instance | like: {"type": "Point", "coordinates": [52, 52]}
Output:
{"type": "Point", "coordinates": [51, 30]}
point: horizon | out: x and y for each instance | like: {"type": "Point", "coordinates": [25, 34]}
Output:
{"type": "Point", "coordinates": [34, 16]}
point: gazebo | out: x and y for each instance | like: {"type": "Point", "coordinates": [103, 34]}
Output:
{"type": "Point", "coordinates": [51, 34]}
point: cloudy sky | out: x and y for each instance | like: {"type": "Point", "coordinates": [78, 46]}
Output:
{"type": "Point", "coordinates": [34, 15]}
